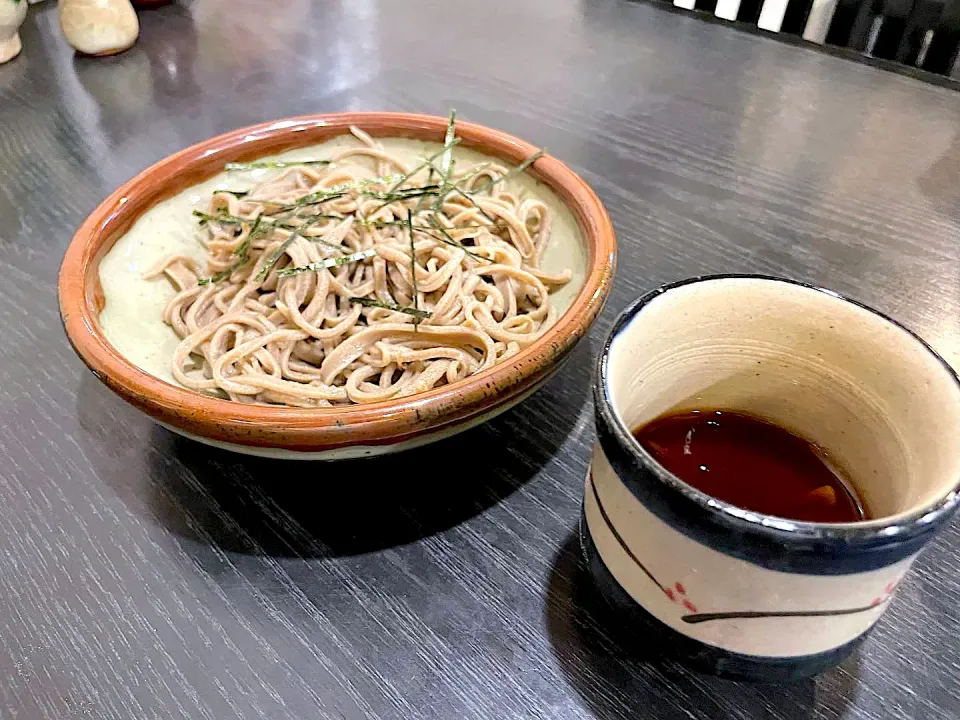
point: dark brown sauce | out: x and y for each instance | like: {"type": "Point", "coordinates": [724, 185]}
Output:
{"type": "Point", "coordinates": [752, 464]}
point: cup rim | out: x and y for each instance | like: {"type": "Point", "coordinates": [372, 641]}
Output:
{"type": "Point", "coordinates": [880, 530]}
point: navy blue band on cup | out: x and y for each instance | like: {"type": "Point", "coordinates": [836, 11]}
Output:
{"type": "Point", "coordinates": [756, 595]}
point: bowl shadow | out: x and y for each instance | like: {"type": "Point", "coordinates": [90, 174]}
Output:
{"type": "Point", "coordinates": [295, 508]}
{"type": "Point", "coordinates": [619, 674]}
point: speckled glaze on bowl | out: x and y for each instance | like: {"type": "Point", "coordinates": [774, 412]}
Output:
{"type": "Point", "coordinates": [348, 431]}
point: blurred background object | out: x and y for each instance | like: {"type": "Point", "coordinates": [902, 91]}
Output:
{"type": "Point", "coordinates": [99, 27]}
{"type": "Point", "coordinates": [920, 37]}
{"type": "Point", "coordinates": [12, 15]}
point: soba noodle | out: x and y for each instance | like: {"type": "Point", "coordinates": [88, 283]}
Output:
{"type": "Point", "coordinates": [330, 284]}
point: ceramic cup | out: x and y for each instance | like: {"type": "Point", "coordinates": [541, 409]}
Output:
{"type": "Point", "coordinates": [729, 590]}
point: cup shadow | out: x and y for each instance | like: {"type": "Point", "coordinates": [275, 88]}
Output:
{"type": "Point", "coordinates": [291, 508]}
{"type": "Point", "coordinates": [619, 674]}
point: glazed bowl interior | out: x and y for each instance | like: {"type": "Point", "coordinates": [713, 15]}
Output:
{"type": "Point", "coordinates": [880, 403]}
{"type": "Point", "coordinates": [82, 296]}
{"type": "Point", "coordinates": [132, 318]}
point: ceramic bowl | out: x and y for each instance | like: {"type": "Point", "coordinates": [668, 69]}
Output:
{"type": "Point", "coordinates": [733, 591]}
{"type": "Point", "coordinates": [342, 432]}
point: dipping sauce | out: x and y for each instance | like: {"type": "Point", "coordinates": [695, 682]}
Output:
{"type": "Point", "coordinates": [752, 464]}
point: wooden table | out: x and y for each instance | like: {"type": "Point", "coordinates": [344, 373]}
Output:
{"type": "Point", "coordinates": [143, 576]}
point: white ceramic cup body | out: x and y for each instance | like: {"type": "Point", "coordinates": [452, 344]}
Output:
{"type": "Point", "coordinates": [742, 593]}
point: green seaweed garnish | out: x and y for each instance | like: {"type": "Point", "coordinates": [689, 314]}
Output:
{"type": "Point", "coordinates": [403, 223]}
{"type": "Point", "coordinates": [242, 252]}
{"type": "Point", "coordinates": [328, 263]}
{"type": "Point", "coordinates": [449, 187]}
{"type": "Point", "coordinates": [449, 240]}
{"type": "Point", "coordinates": [390, 196]}
{"type": "Point", "coordinates": [371, 302]}
{"type": "Point", "coordinates": [272, 165]}
{"type": "Point", "coordinates": [413, 264]}
{"type": "Point", "coordinates": [278, 253]}
{"type": "Point", "coordinates": [513, 171]}
{"type": "Point", "coordinates": [426, 162]}
{"type": "Point", "coordinates": [334, 192]}
{"type": "Point", "coordinates": [227, 219]}
{"type": "Point", "coordinates": [449, 139]}
{"type": "Point", "coordinates": [473, 202]}
{"type": "Point", "coordinates": [321, 196]}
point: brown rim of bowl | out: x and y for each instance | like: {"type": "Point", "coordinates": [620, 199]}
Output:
{"type": "Point", "coordinates": [81, 296]}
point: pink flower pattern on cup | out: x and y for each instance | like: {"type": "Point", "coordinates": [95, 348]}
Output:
{"type": "Point", "coordinates": [887, 592]}
{"type": "Point", "coordinates": [678, 594]}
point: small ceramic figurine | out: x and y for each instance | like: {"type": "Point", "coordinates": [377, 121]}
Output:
{"type": "Point", "coordinates": [99, 27]}
{"type": "Point", "coordinates": [12, 13]}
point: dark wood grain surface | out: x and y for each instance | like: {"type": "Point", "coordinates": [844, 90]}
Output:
{"type": "Point", "coordinates": [143, 576]}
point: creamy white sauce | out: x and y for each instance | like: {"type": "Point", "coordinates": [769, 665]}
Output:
{"type": "Point", "coordinates": [132, 315]}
